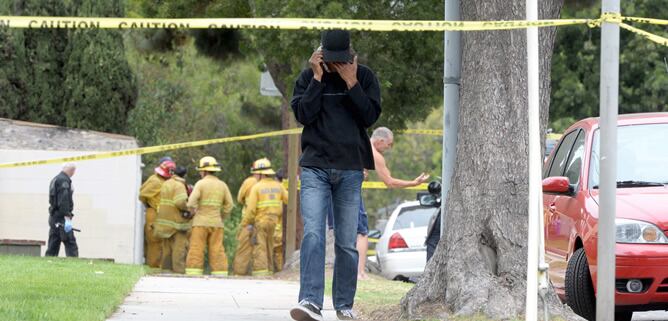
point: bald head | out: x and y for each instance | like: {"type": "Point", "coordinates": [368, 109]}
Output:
{"type": "Point", "coordinates": [69, 169]}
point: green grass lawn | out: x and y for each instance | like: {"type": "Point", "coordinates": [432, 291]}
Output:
{"type": "Point", "coordinates": [44, 289]}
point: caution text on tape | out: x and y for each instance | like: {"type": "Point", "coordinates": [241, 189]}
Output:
{"type": "Point", "coordinates": [276, 23]}
{"type": "Point", "coordinates": [319, 24]}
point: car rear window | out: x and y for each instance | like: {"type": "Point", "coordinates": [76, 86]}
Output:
{"type": "Point", "coordinates": [416, 216]}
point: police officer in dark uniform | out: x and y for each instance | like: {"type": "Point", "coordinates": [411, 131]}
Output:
{"type": "Point", "coordinates": [60, 214]}
{"type": "Point", "coordinates": [434, 229]}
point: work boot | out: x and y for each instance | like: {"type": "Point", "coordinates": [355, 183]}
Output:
{"type": "Point", "coordinates": [306, 311]}
{"type": "Point", "coordinates": [346, 314]}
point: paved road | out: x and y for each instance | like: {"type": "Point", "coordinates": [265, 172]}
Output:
{"type": "Point", "coordinates": [205, 299]}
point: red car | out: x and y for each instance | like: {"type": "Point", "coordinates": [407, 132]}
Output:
{"type": "Point", "coordinates": [570, 202]}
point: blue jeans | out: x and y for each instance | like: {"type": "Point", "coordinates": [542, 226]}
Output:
{"type": "Point", "coordinates": [362, 219]}
{"type": "Point", "coordinates": [319, 189]}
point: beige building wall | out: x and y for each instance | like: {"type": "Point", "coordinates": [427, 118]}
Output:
{"type": "Point", "coordinates": [106, 208]}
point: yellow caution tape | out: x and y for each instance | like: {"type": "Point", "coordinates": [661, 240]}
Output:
{"type": "Point", "coordinates": [369, 185]}
{"type": "Point", "coordinates": [429, 132]}
{"type": "Point", "coordinates": [647, 35]}
{"type": "Point", "coordinates": [33, 22]}
{"type": "Point", "coordinates": [381, 185]}
{"type": "Point", "coordinates": [276, 23]}
{"type": "Point", "coordinates": [152, 149]}
{"type": "Point", "coordinates": [553, 136]}
{"type": "Point", "coordinates": [163, 148]}
{"type": "Point", "coordinates": [318, 24]}
{"type": "Point", "coordinates": [646, 20]}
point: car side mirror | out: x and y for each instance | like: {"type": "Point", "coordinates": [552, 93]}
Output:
{"type": "Point", "coordinates": [429, 200]}
{"type": "Point", "coordinates": [557, 185]}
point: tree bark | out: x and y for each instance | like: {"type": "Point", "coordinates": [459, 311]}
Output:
{"type": "Point", "coordinates": [481, 260]}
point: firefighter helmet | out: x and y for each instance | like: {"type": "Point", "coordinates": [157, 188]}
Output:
{"type": "Point", "coordinates": [262, 166]}
{"type": "Point", "coordinates": [208, 164]}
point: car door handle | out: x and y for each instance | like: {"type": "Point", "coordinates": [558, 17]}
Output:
{"type": "Point", "coordinates": [552, 208]}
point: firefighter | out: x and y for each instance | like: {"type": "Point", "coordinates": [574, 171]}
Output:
{"type": "Point", "coordinates": [149, 194]}
{"type": "Point", "coordinates": [244, 252]}
{"type": "Point", "coordinates": [173, 222]}
{"type": "Point", "coordinates": [60, 214]}
{"type": "Point", "coordinates": [210, 202]}
{"type": "Point", "coordinates": [264, 207]}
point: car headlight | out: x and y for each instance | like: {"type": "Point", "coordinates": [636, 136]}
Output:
{"type": "Point", "coordinates": [632, 231]}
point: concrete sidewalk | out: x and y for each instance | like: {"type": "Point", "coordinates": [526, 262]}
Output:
{"type": "Point", "coordinates": [208, 299]}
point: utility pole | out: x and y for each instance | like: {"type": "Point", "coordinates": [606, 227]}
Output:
{"type": "Point", "coordinates": [609, 105]}
{"type": "Point", "coordinates": [293, 159]}
{"type": "Point", "coordinates": [451, 79]}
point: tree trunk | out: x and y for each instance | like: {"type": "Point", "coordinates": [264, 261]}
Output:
{"type": "Point", "coordinates": [481, 259]}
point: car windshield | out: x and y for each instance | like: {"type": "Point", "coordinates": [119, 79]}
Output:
{"type": "Point", "coordinates": [410, 217]}
{"type": "Point", "coordinates": [642, 156]}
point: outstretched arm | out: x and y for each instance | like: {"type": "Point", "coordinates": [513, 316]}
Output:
{"type": "Point", "coordinates": [386, 176]}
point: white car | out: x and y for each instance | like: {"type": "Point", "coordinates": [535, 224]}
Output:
{"type": "Point", "coordinates": [401, 251]}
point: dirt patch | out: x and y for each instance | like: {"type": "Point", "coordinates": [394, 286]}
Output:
{"type": "Point", "coordinates": [387, 313]}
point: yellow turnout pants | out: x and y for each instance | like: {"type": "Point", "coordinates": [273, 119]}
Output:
{"type": "Point", "coordinates": [203, 237]}
{"type": "Point", "coordinates": [263, 251]}
{"type": "Point", "coordinates": [174, 252]}
{"type": "Point", "coordinates": [244, 253]}
{"type": "Point", "coordinates": [278, 255]}
{"type": "Point", "coordinates": [152, 244]}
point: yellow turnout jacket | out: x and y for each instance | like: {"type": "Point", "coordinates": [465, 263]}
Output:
{"type": "Point", "coordinates": [211, 201]}
{"type": "Point", "coordinates": [266, 198]}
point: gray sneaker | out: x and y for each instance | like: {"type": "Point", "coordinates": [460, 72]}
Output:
{"type": "Point", "coordinates": [346, 314]}
{"type": "Point", "coordinates": [306, 311]}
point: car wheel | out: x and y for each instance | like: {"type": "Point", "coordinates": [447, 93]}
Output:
{"type": "Point", "coordinates": [624, 316]}
{"type": "Point", "coordinates": [579, 289]}
{"type": "Point", "coordinates": [373, 267]}
{"type": "Point", "coordinates": [402, 279]}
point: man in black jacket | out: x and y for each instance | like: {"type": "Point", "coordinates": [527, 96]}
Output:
{"type": "Point", "coordinates": [60, 214]}
{"type": "Point", "coordinates": [336, 100]}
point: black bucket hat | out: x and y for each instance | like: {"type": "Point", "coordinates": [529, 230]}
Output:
{"type": "Point", "coordinates": [336, 46]}
{"type": "Point", "coordinates": [181, 171]}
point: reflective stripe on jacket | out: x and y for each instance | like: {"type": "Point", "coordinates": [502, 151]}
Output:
{"type": "Point", "coordinates": [211, 201]}
{"type": "Point", "coordinates": [173, 198]}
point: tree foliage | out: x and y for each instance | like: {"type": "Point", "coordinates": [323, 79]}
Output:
{"type": "Point", "coordinates": [75, 78]}
{"type": "Point", "coordinates": [216, 43]}
{"type": "Point", "coordinates": [408, 65]}
{"type": "Point", "coordinates": [96, 75]}
{"type": "Point", "coordinates": [643, 70]}
{"type": "Point", "coordinates": [31, 74]}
